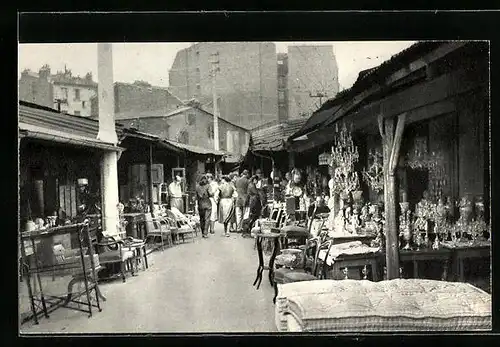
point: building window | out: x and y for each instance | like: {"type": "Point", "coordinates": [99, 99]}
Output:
{"type": "Point", "coordinates": [210, 131]}
{"type": "Point", "coordinates": [281, 96]}
{"type": "Point", "coordinates": [184, 137]}
{"type": "Point", "coordinates": [77, 94]}
{"type": "Point", "coordinates": [64, 94]}
{"type": "Point", "coordinates": [191, 119]}
{"type": "Point", "coordinates": [77, 113]}
{"type": "Point", "coordinates": [83, 104]}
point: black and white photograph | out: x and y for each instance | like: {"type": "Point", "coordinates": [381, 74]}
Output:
{"type": "Point", "coordinates": [254, 187]}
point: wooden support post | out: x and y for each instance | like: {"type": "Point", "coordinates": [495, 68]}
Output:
{"type": "Point", "coordinates": [391, 144]}
{"type": "Point", "coordinates": [149, 170]}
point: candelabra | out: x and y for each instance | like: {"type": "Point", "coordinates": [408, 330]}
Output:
{"type": "Point", "coordinates": [374, 177]}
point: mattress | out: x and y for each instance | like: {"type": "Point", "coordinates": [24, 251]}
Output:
{"type": "Point", "coordinates": [395, 305]}
{"type": "Point", "coordinates": [343, 249]}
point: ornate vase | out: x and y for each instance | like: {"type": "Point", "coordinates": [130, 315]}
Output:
{"type": "Point", "coordinates": [357, 197]}
{"type": "Point", "coordinates": [466, 209]}
{"type": "Point", "coordinates": [404, 224]}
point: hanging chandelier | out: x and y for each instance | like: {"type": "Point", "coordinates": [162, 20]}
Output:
{"type": "Point", "coordinates": [344, 156]}
{"type": "Point", "coordinates": [374, 176]}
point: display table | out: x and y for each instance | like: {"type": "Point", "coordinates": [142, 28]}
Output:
{"type": "Point", "coordinates": [276, 237]}
{"type": "Point", "coordinates": [390, 306]}
{"type": "Point", "coordinates": [464, 251]}
{"type": "Point", "coordinates": [428, 254]}
{"type": "Point", "coordinates": [342, 257]}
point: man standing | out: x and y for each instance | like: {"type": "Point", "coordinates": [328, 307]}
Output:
{"type": "Point", "coordinates": [241, 185]}
{"type": "Point", "coordinates": [204, 205]}
{"type": "Point", "coordinates": [213, 191]}
{"type": "Point", "coordinates": [175, 192]}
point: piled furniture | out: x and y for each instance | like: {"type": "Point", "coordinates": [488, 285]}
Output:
{"type": "Point", "coordinates": [49, 253]}
{"type": "Point", "coordinates": [386, 306]}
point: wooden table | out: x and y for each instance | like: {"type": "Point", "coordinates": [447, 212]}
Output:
{"type": "Point", "coordinates": [135, 225]}
{"type": "Point", "coordinates": [344, 262]}
{"type": "Point", "coordinates": [427, 254]}
{"type": "Point", "coordinates": [461, 254]}
{"type": "Point", "coordinates": [276, 237]}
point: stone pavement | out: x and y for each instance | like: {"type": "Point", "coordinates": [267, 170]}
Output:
{"type": "Point", "coordinates": [205, 286]}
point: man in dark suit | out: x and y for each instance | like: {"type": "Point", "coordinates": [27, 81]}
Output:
{"type": "Point", "coordinates": [241, 185]}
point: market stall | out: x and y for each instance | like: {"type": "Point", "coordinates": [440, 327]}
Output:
{"type": "Point", "coordinates": [414, 162]}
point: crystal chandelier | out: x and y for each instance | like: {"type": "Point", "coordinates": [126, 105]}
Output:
{"type": "Point", "coordinates": [344, 155]}
{"type": "Point", "coordinates": [374, 176]}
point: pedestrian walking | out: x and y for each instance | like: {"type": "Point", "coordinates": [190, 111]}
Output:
{"type": "Point", "coordinates": [232, 224]}
{"type": "Point", "coordinates": [226, 203]}
{"type": "Point", "coordinates": [213, 191]}
{"type": "Point", "coordinates": [241, 185]}
{"type": "Point", "coordinates": [254, 204]}
{"type": "Point", "coordinates": [204, 205]}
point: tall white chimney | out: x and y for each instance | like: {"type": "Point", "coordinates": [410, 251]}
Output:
{"type": "Point", "coordinates": [106, 93]}
{"type": "Point", "coordinates": [107, 133]}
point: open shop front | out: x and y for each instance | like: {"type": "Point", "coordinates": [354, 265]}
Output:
{"type": "Point", "coordinates": [411, 164]}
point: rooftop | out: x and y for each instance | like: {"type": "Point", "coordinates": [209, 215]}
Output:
{"type": "Point", "coordinates": [273, 135]}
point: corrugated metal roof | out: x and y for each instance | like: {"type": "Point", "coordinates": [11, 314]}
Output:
{"type": "Point", "coordinates": [273, 137]}
{"type": "Point", "coordinates": [50, 119]}
{"type": "Point", "coordinates": [49, 134]}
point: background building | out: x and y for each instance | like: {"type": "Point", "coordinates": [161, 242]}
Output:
{"type": "Point", "coordinates": [312, 78]}
{"type": "Point", "coordinates": [246, 80]}
{"type": "Point", "coordinates": [62, 91]}
{"type": "Point", "coordinates": [140, 96]}
{"type": "Point", "coordinates": [255, 85]}
{"type": "Point", "coordinates": [190, 125]}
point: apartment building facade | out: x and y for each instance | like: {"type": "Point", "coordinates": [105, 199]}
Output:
{"type": "Point", "coordinates": [246, 80]}
{"type": "Point", "coordinates": [61, 91]}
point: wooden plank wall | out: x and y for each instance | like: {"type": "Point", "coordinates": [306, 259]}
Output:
{"type": "Point", "coordinates": [471, 142]}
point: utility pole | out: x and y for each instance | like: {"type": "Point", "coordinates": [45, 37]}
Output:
{"type": "Point", "coordinates": [319, 95]}
{"type": "Point", "coordinates": [260, 80]}
{"type": "Point", "coordinates": [213, 72]}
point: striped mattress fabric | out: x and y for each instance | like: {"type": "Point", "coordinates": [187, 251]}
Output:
{"type": "Point", "coordinates": [395, 305]}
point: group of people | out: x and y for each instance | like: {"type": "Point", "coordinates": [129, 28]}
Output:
{"type": "Point", "coordinates": [235, 201]}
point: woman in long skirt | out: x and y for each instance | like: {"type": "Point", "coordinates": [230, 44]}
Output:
{"type": "Point", "coordinates": [226, 204]}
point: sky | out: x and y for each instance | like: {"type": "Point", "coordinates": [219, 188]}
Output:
{"type": "Point", "coordinates": [151, 61]}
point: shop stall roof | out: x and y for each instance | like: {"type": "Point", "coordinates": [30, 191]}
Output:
{"type": "Point", "coordinates": [36, 121]}
{"type": "Point", "coordinates": [273, 136]}
{"type": "Point", "coordinates": [196, 149]}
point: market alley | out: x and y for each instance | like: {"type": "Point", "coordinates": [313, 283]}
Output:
{"type": "Point", "coordinates": [205, 286]}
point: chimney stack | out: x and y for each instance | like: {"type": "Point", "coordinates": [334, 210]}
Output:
{"type": "Point", "coordinates": [106, 94]}
{"type": "Point", "coordinates": [44, 72]}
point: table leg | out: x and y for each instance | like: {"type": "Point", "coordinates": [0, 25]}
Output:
{"type": "Point", "coordinates": [271, 261]}
{"type": "Point", "coordinates": [374, 270]}
{"type": "Point", "coordinates": [445, 271]}
{"type": "Point", "coordinates": [415, 269]}
{"type": "Point", "coordinates": [145, 257]}
{"type": "Point", "coordinates": [275, 292]}
{"type": "Point", "coordinates": [258, 279]}
{"type": "Point", "coordinates": [461, 270]}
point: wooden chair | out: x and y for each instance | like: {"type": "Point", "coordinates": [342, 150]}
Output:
{"type": "Point", "coordinates": [182, 227]}
{"type": "Point", "coordinates": [112, 251]}
{"type": "Point", "coordinates": [159, 227]}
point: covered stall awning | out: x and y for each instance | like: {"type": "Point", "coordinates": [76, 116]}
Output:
{"type": "Point", "coordinates": [44, 123]}
{"type": "Point", "coordinates": [46, 134]}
